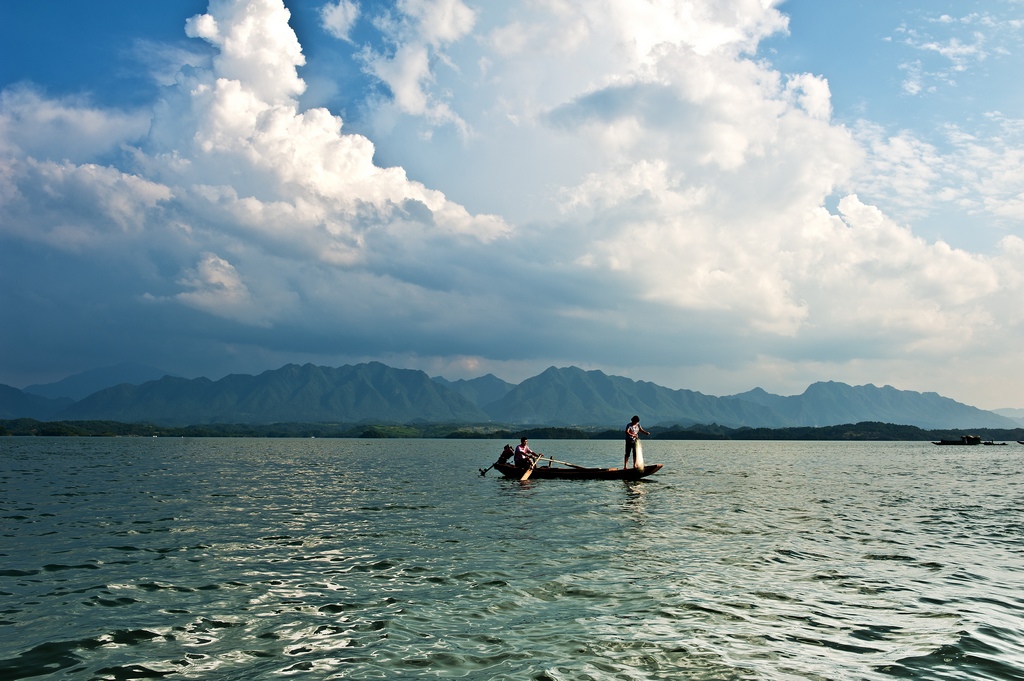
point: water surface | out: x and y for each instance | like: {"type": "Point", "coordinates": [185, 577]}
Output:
{"type": "Point", "coordinates": [382, 559]}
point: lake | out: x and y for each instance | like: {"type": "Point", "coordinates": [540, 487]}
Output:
{"type": "Point", "coordinates": [249, 559]}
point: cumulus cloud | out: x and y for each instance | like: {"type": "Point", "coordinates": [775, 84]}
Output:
{"type": "Point", "coordinates": [617, 164]}
{"type": "Point", "coordinates": [257, 47]}
{"type": "Point", "coordinates": [245, 158]}
{"type": "Point", "coordinates": [228, 173]}
{"type": "Point", "coordinates": [692, 179]}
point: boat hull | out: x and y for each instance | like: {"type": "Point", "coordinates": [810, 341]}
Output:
{"type": "Point", "coordinates": [964, 440]}
{"type": "Point", "coordinates": [562, 473]}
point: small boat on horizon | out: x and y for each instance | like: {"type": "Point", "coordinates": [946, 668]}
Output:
{"type": "Point", "coordinates": [964, 440]}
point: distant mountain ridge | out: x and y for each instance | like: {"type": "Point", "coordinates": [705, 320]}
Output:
{"type": "Point", "coordinates": [1014, 414]}
{"type": "Point", "coordinates": [82, 385]}
{"type": "Point", "coordinates": [376, 393]}
{"type": "Point", "coordinates": [572, 396]}
{"type": "Point", "coordinates": [16, 404]}
{"type": "Point", "coordinates": [351, 394]}
{"type": "Point", "coordinates": [480, 391]}
{"type": "Point", "coordinates": [830, 403]}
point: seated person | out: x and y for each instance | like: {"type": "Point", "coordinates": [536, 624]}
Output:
{"type": "Point", "coordinates": [524, 456]}
{"type": "Point", "coordinates": [506, 454]}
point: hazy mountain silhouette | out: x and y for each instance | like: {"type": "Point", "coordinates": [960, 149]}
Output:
{"type": "Point", "coordinates": [17, 404]}
{"type": "Point", "coordinates": [1014, 414]}
{"type": "Point", "coordinates": [348, 394]}
{"type": "Point", "coordinates": [568, 396]}
{"type": "Point", "coordinates": [830, 403]}
{"type": "Point", "coordinates": [86, 383]}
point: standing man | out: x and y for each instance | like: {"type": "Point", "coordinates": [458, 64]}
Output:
{"type": "Point", "coordinates": [633, 431]}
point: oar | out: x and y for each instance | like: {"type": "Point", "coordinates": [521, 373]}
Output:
{"type": "Point", "coordinates": [526, 475]}
{"type": "Point", "coordinates": [548, 458]}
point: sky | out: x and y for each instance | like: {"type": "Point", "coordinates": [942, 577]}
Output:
{"type": "Point", "coordinates": [714, 195]}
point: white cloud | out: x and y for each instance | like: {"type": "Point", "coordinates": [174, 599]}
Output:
{"type": "Point", "coordinates": [958, 53]}
{"type": "Point", "coordinates": [257, 46]}
{"type": "Point", "coordinates": [215, 287]}
{"type": "Point", "coordinates": [339, 18]}
{"type": "Point", "coordinates": [973, 174]}
{"type": "Point", "coordinates": [298, 161]}
{"type": "Point", "coordinates": [164, 61]}
{"type": "Point", "coordinates": [625, 163]}
{"type": "Point", "coordinates": [76, 207]}
{"type": "Point", "coordinates": [70, 128]}
{"type": "Point", "coordinates": [229, 159]}
{"type": "Point", "coordinates": [439, 22]}
{"type": "Point", "coordinates": [418, 34]}
{"type": "Point", "coordinates": [952, 49]}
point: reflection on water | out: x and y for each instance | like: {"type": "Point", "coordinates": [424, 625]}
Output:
{"type": "Point", "coordinates": [633, 502]}
{"type": "Point", "coordinates": [250, 559]}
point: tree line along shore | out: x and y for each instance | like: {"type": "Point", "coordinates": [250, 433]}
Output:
{"type": "Point", "coordinates": [864, 431]}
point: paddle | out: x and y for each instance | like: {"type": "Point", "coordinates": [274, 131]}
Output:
{"type": "Point", "coordinates": [548, 458]}
{"type": "Point", "coordinates": [533, 464]}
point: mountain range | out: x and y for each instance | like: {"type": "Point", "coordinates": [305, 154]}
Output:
{"type": "Point", "coordinates": [376, 393]}
{"type": "Point", "coordinates": [86, 383]}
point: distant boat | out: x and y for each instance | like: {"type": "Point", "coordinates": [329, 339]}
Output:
{"type": "Point", "coordinates": [990, 442]}
{"type": "Point", "coordinates": [964, 440]}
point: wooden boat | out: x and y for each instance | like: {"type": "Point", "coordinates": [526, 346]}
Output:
{"type": "Point", "coordinates": [964, 440]}
{"type": "Point", "coordinates": [579, 473]}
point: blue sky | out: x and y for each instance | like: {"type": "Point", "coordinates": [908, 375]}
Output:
{"type": "Point", "coordinates": [709, 195]}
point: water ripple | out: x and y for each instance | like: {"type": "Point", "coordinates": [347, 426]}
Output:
{"type": "Point", "coordinates": [250, 559]}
